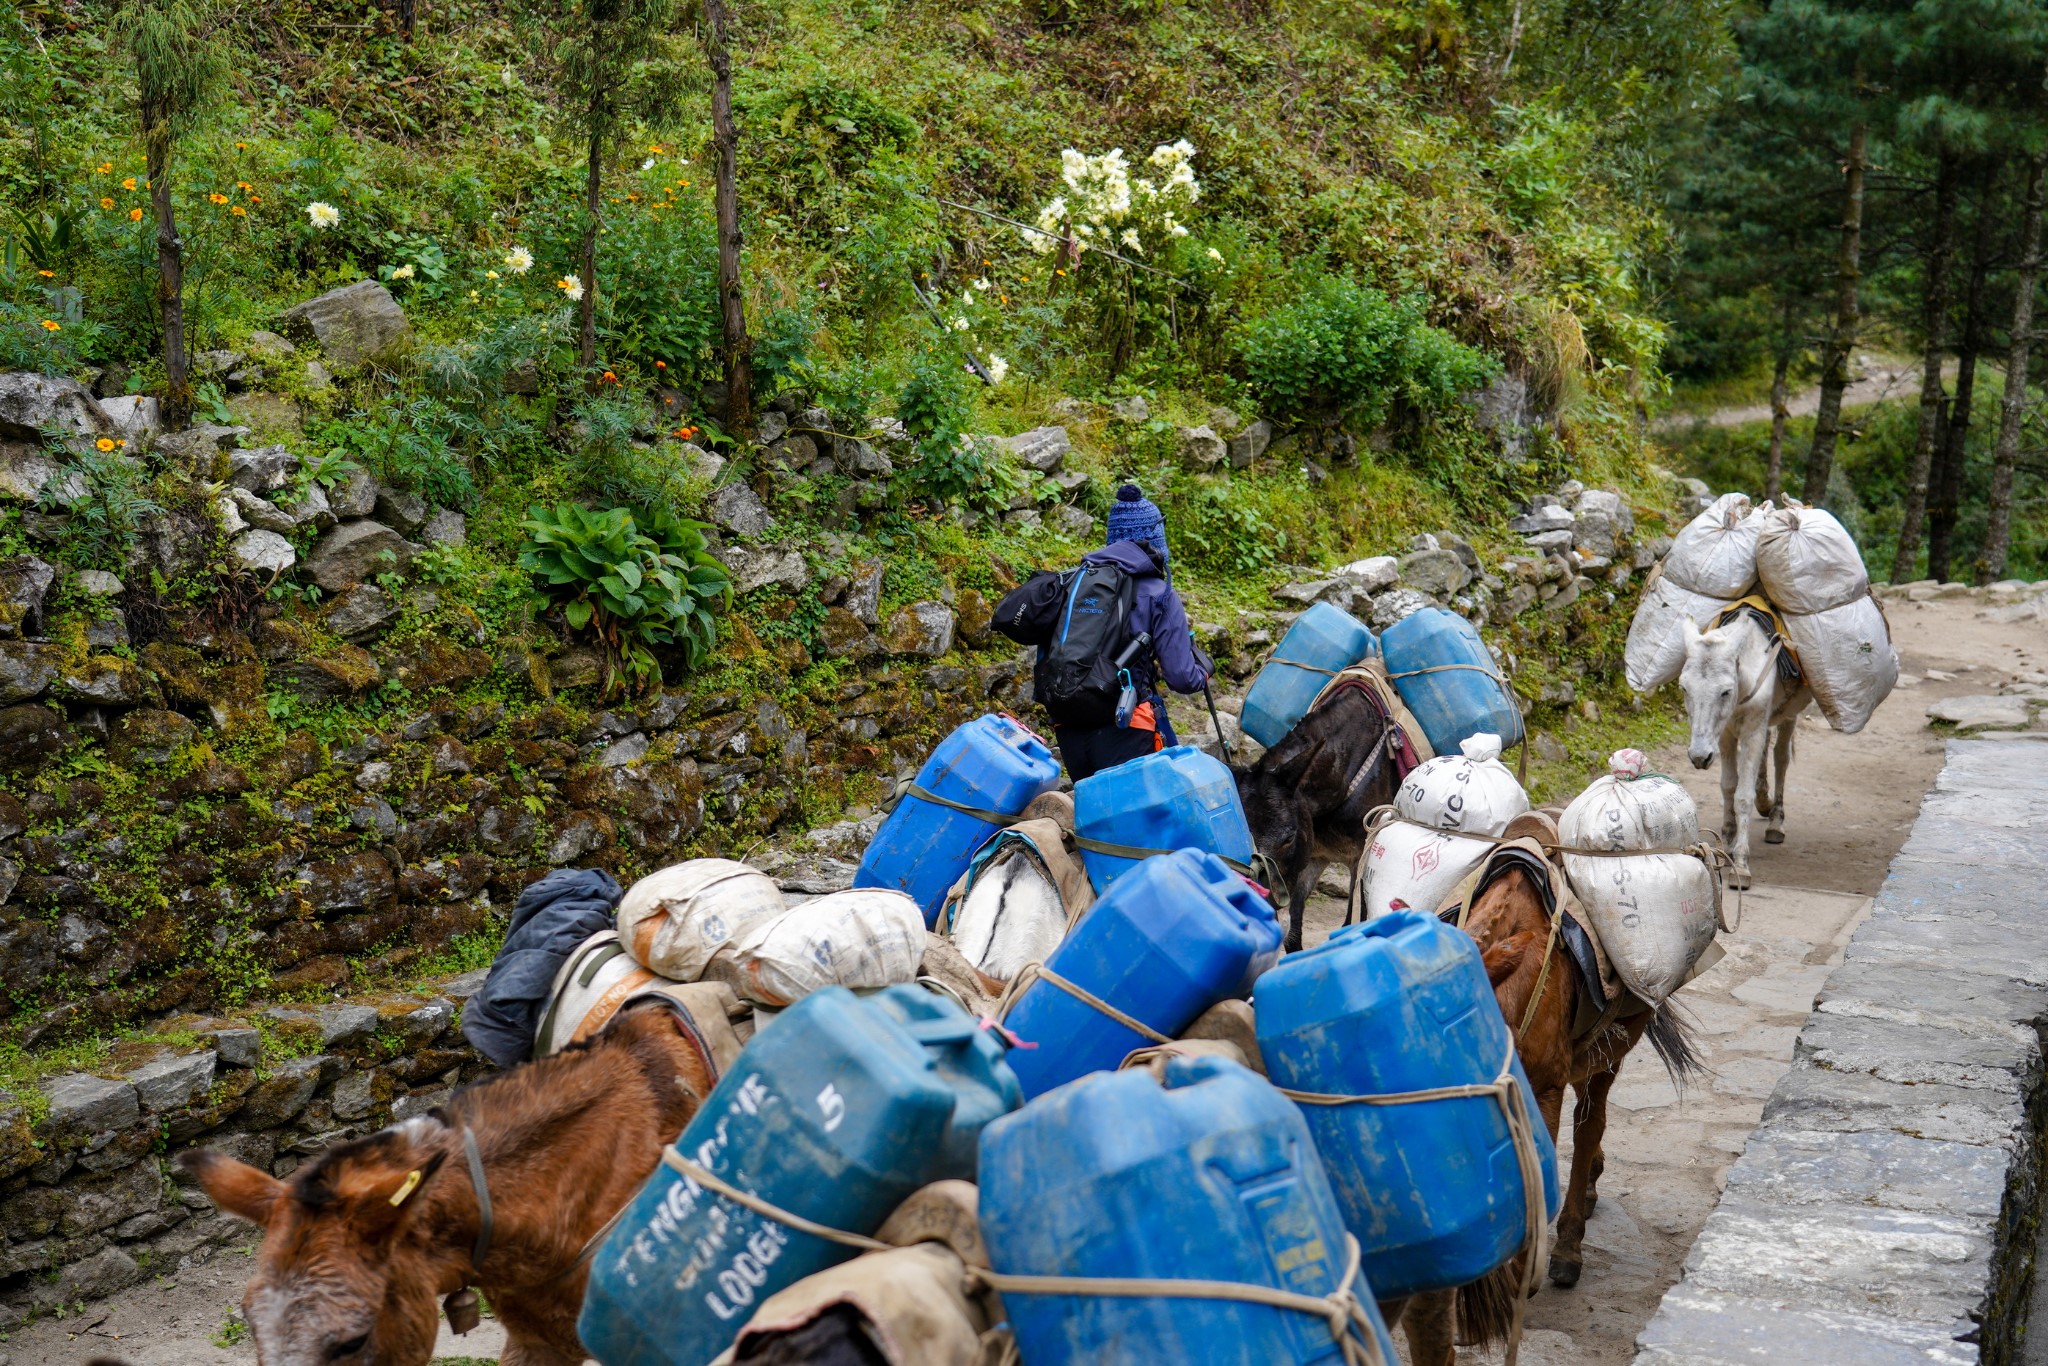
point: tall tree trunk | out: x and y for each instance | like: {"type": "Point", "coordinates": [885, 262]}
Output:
{"type": "Point", "coordinates": [1841, 347]}
{"type": "Point", "coordinates": [1945, 486]}
{"type": "Point", "coordinates": [170, 277]}
{"type": "Point", "coordinates": [2012, 408]}
{"type": "Point", "coordinates": [1933, 323]}
{"type": "Point", "coordinates": [739, 348]}
{"type": "Point", "coordinates": [1781, 408]}
{"type": "Point", "coordinates": [586, 307]}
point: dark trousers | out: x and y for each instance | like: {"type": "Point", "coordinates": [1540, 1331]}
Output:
{"type": "Point", "coordinates": [1087, 750]}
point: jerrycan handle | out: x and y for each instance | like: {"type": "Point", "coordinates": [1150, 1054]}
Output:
{"type": "Point", "coordinates": [952, 1031]}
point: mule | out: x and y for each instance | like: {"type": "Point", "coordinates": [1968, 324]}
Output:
{"type": "Point", "coordinates": [1510, 921]}
{"type": "Point", "coordinates": [1740, 702]}
{"type": "Point", "coordinates": [362, 1243]}
{"type": "Point", "coordinates": [1307, 798]}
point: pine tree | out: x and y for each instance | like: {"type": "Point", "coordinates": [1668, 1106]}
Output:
{"type": "Point", "coordinates": [2018, 366]}
{"type": "Point", "coordinates": [178, 66]}
{"type": "Point", "coordinates": [738, 347]}
{"type": "Point", "coordinates": [1945, 483]}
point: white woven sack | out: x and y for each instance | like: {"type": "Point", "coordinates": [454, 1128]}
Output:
{"type": "Point", "coordinates": [1656, 638]}
{"type": "Point", "coordinates": [1847, 656]}
{"type": "Point", "coordinates": [589, 989]}
{"type": "Point", "coordinates": [863, 939]}
{"type": "Point", "coordinates": [1655, 915]}
{"type": "Point", "coordinates": [673, 921]}
{"type": "Point", "coordinates": [1629, 809]}
{"type": "Point", "coordinates": [1808, 562]}
{"type": "Point", "coordinates": [1472, 791]}
{"type": "Point", "coordinates": [1412, 869]}
{"type": "Point", "coordinates": [1715, 555]}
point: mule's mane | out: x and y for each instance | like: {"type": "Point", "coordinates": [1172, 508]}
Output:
{"type": "Point", "coordinates": [1300, 745]}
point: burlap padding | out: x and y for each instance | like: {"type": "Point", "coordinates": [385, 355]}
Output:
{"type": "Point", "coordinates": [1372, 673]}
{"type": "Point", "coordinates": [913, 1297]}
{"type": "Point", "coordinates": [713, 1013]}
{"type": "Point", "coordinates": [1046, 838]}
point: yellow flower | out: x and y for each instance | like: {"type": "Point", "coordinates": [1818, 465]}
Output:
{"type": "Point", "coordinates": [217, 199]}
{"type": "Point", "coordinates": [105, 443]}
{"type": "Point", "coordinates": [104, 168]}
{"type": "Point", "coordinates": [47, 274]}
{"type": "Point", "coordinates": [244, 185]}
{"type": "Point", "coordinates": [106, 203]}
{"type": "Point", "coordinates": [239, 212]}
{"type": "Point", "coordinates": [135, 215]}
{"type": "Point", "coordinates": [129, 183]}
{"type": "Point", "coordinates": [657, 149]}
{"type": "Point", "coordinates": [241, 147]}
{"type": "Point", "coordinates": [49, 326]}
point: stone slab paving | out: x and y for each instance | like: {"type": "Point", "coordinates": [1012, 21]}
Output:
{"type": "Point", "coordinates": [1885, 1210]}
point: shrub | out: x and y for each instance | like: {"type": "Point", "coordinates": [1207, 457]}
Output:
{"type": "Point", "coordinates": [658, 284]}
{"type": "Point", "coordinates": [935, 407]}
{"type": "Point", "coordinates": [1339, 346]}
{"type": "Point", "coordinates": [639, 582]}
{"type": "Point", "coordinates": [407, 444]}
{"type": "Point", "coordinates": [104, 506]}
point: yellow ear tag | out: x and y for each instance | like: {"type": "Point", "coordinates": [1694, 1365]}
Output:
{"type": "Point", "coordinates": [412, 1183]}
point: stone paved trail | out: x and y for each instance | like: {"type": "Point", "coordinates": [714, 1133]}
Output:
{"type": "Point", "coordinates": [1853, 800]}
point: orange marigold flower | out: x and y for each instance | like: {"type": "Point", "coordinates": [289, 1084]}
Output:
{"type": "Point", "coordinates": [244, 185]}
{"type": "Point", "coordinates": [51, 326]}
{"type": "Point", "coordinates": [47, 274]}
{"type": "Point", "coordinates": [217, 199]}
{"type": "Point", "coordinates": [659, 365]}
{"type": "Point", "coordinates": [610, 378]}
{"type": "Point", "coordinates": [105, 443]}
{"type": "Point", "coordinates": [106, 203]}
{"type": "Point", "coordinates": [104, 168]}
{"type": "Point", "coordinates": [239, 212]}
{"type": "Point", "coordinates": [255, 199]}
{"type": "Point", "coordinates": [129, 183]}
{"type": "Point", "coordinates": [135, 215]}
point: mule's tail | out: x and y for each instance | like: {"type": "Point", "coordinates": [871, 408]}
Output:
{"type": "Point", "coordinates": [1486, 1307]}
{"type": "Point", "coordinates": [1671, 1034]}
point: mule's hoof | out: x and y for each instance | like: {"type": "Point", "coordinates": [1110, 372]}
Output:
{"type": "Point", "coordinates": [1739, 879]}
{"type": "Point", "coordinates": [1564, 1275]}
{"type": "Point", "coordinates": [1774, 837]}
{"type": "Point", "coordinates": [1592, 1202]}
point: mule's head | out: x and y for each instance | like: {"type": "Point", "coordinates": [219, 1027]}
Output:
{"type": "Point", "coordinates": [347, 1275]}
{"type": "Point", "coordinates": [1273, 809]}
{"type": "Point", "coordinates": [1711, 679]}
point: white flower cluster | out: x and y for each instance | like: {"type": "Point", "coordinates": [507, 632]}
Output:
{"type": "Point", "coordinates": [1104, 204]}
{"type": "Point", "coordinates": [323, 214]}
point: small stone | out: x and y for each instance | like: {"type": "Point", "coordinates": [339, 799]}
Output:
{"type": "Point", "coordinates": [845, 636]}
{"type": "Point", "coordinates": [25, 583]}
{"type": "Point", "coordinates": [98, 583]}
{"type": "Point", "coordinates": [313, 509]}
{"type": "Point", "coordinates": [1373, 574]}
{"type": "Point", "coordinates": [261, 513]}
{"type": "Point", "coordinates": [353, 495]}
{"type": "Point", "coordinates": [82, 1104]}
{"type": "Point", "coordinates": [238, 1047]}
{"type": "Point", "coordinates": [263, 552]}
{"type": "Point", "coordinates": [630, 749]}
{"type": "Point", "coordinates": [352, 1096]}
{"type": "Point", "coordinates": [362, 611]}
{"type": "Point", "coordinates": [1076, 524]}
{"type": "Point", "coordinates": [1549, 542]}
{"type": "Point", "coordinates": [27, 472]}
{"type": "Point", "coordinates": [1969, 713]}
{"type": "Point", "coordinates": [858, 457]}
{"type": "Point", "coordinates": [922, 628]}
{"type": "Point", "coordinates": [26, 670]}
{"type": "Point", "coordinates": [375, 816]}
{"type": "Point", "coordinates": [341, 1025]}
{"type": "Point", "coordinates": [135, 416]}
{"type": "Point", "coordinates": [30, 735]}
{"type": "Point", "coordinates": [1438, 573]}
{"type": "Point", "coordinates": [263, 469]}
{"type": "Point", "coordinates": [1547, 748]}
{"type": "Point", "coordinates": [108, 680]}
{"type": "Point", "coordinates": [174, 1082]}
{"type": "Point", "coordinates": [317, 377]}
{"type": "Point", "coordinates": [355, 551]}
{"type": "Point", "coordinates": [1251, 443]}
{"type": "Point", "coordinates": [445, 527]}
{"type": "Point", "coordinates": [1042, 448]}
{"type": "Point", "coordinates": [374, 775]}
{"type": "Point", "coordinates": [400, 509]}
{"type": "Point", "coordinates": [1594, 533]}
{"type": "Point", "coordinates": [751, 568]}
{"type": "Point", "coordinates": [736, 508]}
{"type": "Point", "coordinates": [1549, 517]}
{"type": "Point", "coordinates": [1202, 448]}
{"type": "Point", "coordinates": [1395, 605]}
{"type": "Point", "coordinates": [1131, 409]}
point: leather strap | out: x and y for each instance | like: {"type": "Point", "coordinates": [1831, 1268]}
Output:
{"type": "Point", "coordinates": [486, 1223]}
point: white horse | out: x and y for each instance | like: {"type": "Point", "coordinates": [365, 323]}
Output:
{"type": "Point", "coordinates": [1736, 698]}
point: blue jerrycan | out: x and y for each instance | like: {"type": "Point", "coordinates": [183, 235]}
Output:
{"type": "Point", "coordinates": [1209, 1177]}
{"type": "Point", "coordinates": [991, 763]}
{"type": "Point", "coordinates": [1443, 672]}
{"type": "Point", "coordinates": [1177, 798]}
{"type": "Point", "coordinates": [970, 1061]}
{"type": "Point", "coordinates": [1326, 638]}
{"type": "Point", "coordinates": [1433, 1191]}
{"type": "Point", "coordinates": [837, 1113]}
{"type": "Point", "coordinates": [1163, 945]}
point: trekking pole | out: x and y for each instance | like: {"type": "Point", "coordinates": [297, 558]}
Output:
{"type": "Point", "coordinates": [1210, 693]}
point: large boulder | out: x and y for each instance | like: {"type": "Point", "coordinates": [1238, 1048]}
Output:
{"type": "Point", "coordinates": [922, 628]}
{"type": "Point", "coordinates": [1251, 443]}
{"type": "Point", "coordinates": [26, 670]}
{"type": "Point", "coordinates": [24, 583]}
{"type": "Point", "coordinates": [356, 325]}
{"type": "Point", "coordinates": [135, 415]}
{"type": "Point", "coordinates": [353, 552]}
{"type": "Point", "coordinates": [26, 469]}
{"type": "Point", "coordinates": [1042, 448]}
{"type": "Point", "coordinates": [262, 552]}
{"type": "Point", "coordinates": [32, 404]}
{"type": "Point", "coordinates": [735, 508]}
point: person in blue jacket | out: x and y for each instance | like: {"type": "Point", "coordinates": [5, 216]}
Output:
{"type": "Point", "coordinates": [1136, 544]}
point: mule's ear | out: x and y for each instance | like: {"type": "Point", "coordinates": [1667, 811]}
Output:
{"type": "Point", "coordinates": [381, 1195]}
{"type": "Point", "coordinates": [1691, 629]}
{"type": "Point", "coordinates": [236, 1187]}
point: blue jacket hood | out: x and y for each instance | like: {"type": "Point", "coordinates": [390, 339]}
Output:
{"type": "Point", "coordinates": [1129, 556]}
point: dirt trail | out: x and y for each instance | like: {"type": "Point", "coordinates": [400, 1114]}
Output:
{"type": "Point", "coordinates": [1879, 378]}
{"type": "Point", "coordinates": [1852, 802]}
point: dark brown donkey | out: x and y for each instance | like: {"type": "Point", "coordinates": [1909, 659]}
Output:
{"type": "Point", "coordinates": [361, 1244]}
{"type": "Point", "coordinates": [1306, 798]}
{"type": "Point", "coordinates": [1509, 917]}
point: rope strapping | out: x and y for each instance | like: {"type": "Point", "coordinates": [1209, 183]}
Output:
{"type": "Point", "coordinates": [1039, 972]}
{"type": "Point", "coordinates": [909, 787]}
{"type": "Point", "coordinates": [1505, 1093]}
{"type": "Point", "coordinates": [1349, 1325]}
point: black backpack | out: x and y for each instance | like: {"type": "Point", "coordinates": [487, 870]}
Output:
{"type": "Point", "coordinates": [1080, 620]}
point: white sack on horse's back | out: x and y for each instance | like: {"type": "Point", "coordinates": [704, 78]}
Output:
{"type": "Point", "coordinates": [1631, 809]}
{"type": "Point", "coordinates": [672, 921]}
{"type": "Point", "coordinates": [1412, 869]}
{"type": "Point", "coordinates": [1808, 562]}
{"type": "Point", "coordinates": [1715, 555]}
{"type": "Point", "coordinates": [1655, 915]}
{"type": "Point", "coordinates": [1474, 791]}
{"type": "Point", "coordinates": [591, 986]}
{"type": "Point", "coordinates": [863, 939]}
{"type": "Point", "coordinates": [1847, 656]}
{"type": "Point", "coordinates": [1011, 916]}
{"type": "Point", "coordinates": [1656, 638]}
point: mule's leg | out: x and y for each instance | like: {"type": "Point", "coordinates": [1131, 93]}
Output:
{"type": "Point", "coordinates": [1297, 903]}
{"type": "Point", "coordinates": [1775, 834]}
{"type": "Point", "coordinates": [1750, 742]}
{"type": "Point", "coordinates": [1432, 1322]}
{"type": "Point", "coordinates": [533, 1352]}
{"type": "Point", "coordinates": [1589, 1122]}
{"type": "Point", "coordinates": [1727, 790]}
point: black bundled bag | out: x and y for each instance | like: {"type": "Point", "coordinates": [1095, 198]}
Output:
{"type": "Point", "coordinates": [549, 920]}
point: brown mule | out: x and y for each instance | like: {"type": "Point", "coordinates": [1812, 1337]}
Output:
{"type": "Point", "coordinates": [1511, 923]}
{"type": "Point", "coordinates": [361, 1244]}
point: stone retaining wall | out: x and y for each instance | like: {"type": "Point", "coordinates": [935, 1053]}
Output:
{"type": "Point", "coordinates": [89, 1202]}
{"type": "Point", "coordinates": [1886, 1209]}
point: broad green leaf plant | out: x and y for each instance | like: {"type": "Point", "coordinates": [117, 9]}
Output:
{"type": "Point", "coordinates": [639, 582]}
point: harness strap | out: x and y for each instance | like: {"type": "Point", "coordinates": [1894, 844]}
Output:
{"type": "Point", "coordinates": [1505, 1093]}
{"type": "Point", "coordinates": [909, 787]}
{"type": "Point", "coordinates": [1260, 870]}
{"type": "Point", "coordinates": [486, 1222]}
{"type": "Point", "coordinates": [1039, 972]}
{"type": "Point", "coordinates": [1349, 1326]}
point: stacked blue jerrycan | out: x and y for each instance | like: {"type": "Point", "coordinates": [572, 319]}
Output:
{"type": "Point", "coordinates": [1175, 798]}
{"type": "Point", "coordinates": [1210, 1177]}
{"type": "Point", "coordinates": [992, 763]}
{"type": "Point", "coordinates": [836, 1113]}
{"type": "Point", "coordinates": [969, 1060]}
{"type": "Point", "coordinates": [1464, 696]}
{"type": "Point", "coordinates": [1326, 638]}
{"type": "Point", "coordinates": [1402, 1003]}
{"type": "Point", "coordinates": [1163, 945]}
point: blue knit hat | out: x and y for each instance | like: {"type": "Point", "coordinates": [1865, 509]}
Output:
{"type": "Point", "coordinates": [1134, 517]}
